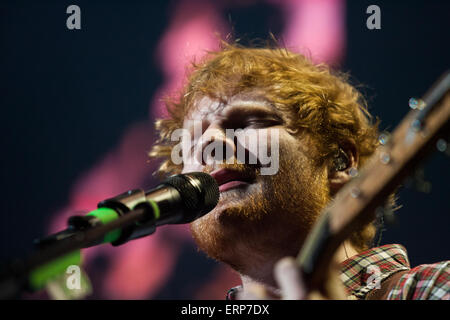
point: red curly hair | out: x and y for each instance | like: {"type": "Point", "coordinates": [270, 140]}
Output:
{"type": "Point", "coordinates": [314, 99]}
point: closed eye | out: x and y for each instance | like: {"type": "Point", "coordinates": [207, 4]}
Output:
{"type": "Point", "coordinates": [262, 123]}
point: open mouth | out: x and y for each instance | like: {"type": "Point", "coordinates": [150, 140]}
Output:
{"type": "Point", "coordinates": [231, 179]}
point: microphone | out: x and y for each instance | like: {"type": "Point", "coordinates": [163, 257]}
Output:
{"type": "Point", "coordinates": [134, 214]}
{"type": "Point", "coordinates": [181, 198]}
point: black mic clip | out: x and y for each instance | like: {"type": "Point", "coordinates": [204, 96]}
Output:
{"type": "Point", "coordinates": [121, 204]}
{"type": "Point", "coordinates": [126, 202]}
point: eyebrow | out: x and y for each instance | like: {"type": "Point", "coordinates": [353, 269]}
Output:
{"type": "Point", "coordinates": [263, 104]}
{"type": "Point", "coordinates": [247, 108]}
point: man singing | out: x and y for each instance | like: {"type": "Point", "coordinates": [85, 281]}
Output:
{"type": "Point", "coordinates": [239, 106]}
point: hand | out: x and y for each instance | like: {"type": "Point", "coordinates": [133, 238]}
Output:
{"type": "Point", "coordinates": [292, 286]}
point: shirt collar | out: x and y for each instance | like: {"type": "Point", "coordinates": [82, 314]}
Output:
{"type": "Point", "coordinates": [366, 270]}
{"type": "Point", "coordinates": [362, 272]}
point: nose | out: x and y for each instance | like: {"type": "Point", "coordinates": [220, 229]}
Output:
{"type": "Point", "coordinates": [215, 147]}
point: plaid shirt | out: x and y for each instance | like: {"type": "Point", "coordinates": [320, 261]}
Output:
{"type": "Point", "coordinates": [364, 273]}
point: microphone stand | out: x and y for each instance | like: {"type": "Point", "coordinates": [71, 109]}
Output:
{"type": "Point", "coordinates": [130, 215]}
{"type": "Point", "coordinates": [14, 279]}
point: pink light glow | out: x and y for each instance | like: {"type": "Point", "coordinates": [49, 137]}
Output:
{"type": "Point", "coordinates": [315, 27]}
{"type": "Point", "coordinates": [138, 270]}
{"type": "Point", "coordinates": [191, 33]}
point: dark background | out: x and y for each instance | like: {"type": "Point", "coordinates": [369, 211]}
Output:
{"type": "Point", "coordinates": [66, 98]}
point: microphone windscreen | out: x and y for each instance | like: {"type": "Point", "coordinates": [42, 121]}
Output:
{"type": "Point", "coordinates": [199, 192]}
{"type": "Point", "coordinates": [209, 188]}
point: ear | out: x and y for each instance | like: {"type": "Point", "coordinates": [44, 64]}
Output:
{"type": "Point", "coordinates": [337, 178]}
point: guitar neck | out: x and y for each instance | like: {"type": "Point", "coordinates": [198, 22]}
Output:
{"type": "Point", "coordinates": [356, 203]}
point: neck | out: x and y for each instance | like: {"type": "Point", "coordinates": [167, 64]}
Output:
{"type": "Point", "coordinates": [263, 276]}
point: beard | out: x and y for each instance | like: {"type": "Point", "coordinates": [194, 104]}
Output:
{"type": "Point", "coordinates": [260, 223]}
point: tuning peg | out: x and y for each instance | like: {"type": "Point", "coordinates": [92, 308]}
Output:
{"type": "Point", "coordinates": [384, 138]}
{"type": "Point", "coordinates": [353, 172]}
{"type": "Point", "coordinates": [415, 103]}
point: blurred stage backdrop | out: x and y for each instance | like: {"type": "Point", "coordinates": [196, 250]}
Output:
{"type": "Point", "coordinates": [78, 107]}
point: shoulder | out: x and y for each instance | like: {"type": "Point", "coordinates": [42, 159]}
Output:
{"type": "Point", "coordinates": [424, 282]}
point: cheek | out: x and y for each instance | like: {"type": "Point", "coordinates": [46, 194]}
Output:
{"type": "Point", "coordinates": [281, 143]}
{"type": "Point", "coordinates": [261, 141]}
{"type": "Point", "coordinates": [277, 138]}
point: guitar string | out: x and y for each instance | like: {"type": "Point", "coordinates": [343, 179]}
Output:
{"type": "Point", "coordinates": [345, 249]}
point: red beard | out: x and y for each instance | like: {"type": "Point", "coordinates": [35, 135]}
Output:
{"type": "Point", "coordinates": [267, 219]}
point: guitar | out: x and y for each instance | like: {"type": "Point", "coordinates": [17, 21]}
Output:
{"type": "Point", "coordinates": [356, 203]}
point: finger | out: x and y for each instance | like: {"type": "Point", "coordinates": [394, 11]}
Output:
{"type": "Point", "coordinates": [316, 295]}
{"type": "Point", "coordinates": [253, 292]}
{"type": "Point", "coordinates": [289, 279]}
{"type": "Point", "coordinates": [334, 287]}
